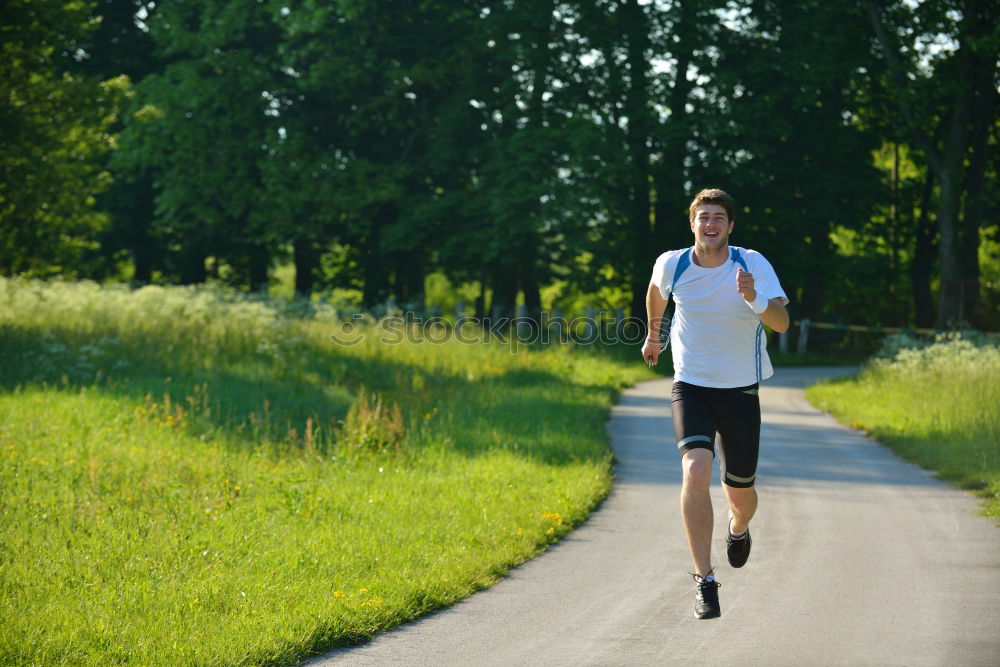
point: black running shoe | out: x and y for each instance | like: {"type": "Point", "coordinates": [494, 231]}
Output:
{"type": "Point", "coordinates": [738, 549]}
{"type": "Point", "coordinates": [706, 600]}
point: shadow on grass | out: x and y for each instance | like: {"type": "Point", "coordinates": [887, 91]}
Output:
{"type": "Point", "coordinates": [254, 398]}
{"type": "Point", "coordinates": [531, 412]}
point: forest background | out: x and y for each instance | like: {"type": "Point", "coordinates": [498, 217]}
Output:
{"type": "Point", "coordinates": [503, 153]}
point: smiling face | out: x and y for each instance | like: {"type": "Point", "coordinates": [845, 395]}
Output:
{"type": "Point", "coordinates": [711, 226]}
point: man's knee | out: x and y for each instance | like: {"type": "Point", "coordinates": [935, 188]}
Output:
{"type": "Point", "coordinates": [697, 467]}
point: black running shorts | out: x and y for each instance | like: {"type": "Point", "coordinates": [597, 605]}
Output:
{"type": "Point", "coordinates": [702, 413]}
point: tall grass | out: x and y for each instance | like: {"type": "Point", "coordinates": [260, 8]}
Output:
{"type": "Point", "coordinates": [936, 405]}
{"type": "Point", "coordinates": [191, 477]}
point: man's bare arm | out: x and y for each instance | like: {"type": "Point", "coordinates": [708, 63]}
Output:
{"type": "Point", "coordinates": [776, 315]}
{"type": "Point", "coordinates": [655, 305]}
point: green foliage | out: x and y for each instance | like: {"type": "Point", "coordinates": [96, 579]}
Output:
{"type": "Point", "coordinates": [445, 296]}
{"type": "Point", "coordinates": [989, 261]}
{"type": "Point", "coordinates": [55, 128]}
{"type": "Point", "coordinates": [190, 476]}
{"type": "Point", "coordinates": [202, 124]}
{"type": "Point", "coordinates": [934, 403]}
{"type": "Point", "coordinates": [940, 62]}
{"type": "Point", "coordinates": [497, 144]}
{"type": "Point", "coordinates": [781, 132]}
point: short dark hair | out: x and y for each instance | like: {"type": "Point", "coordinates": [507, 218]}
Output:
{"type": "Point", "coordinates": [712, 196]}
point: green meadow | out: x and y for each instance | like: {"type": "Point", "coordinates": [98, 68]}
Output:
{"type": "Point", "coordinates": [190, 476]}
{"type": "Point", "coordinates": [193, 476]}
{"type": "Point", "coordinates": [935, 405]}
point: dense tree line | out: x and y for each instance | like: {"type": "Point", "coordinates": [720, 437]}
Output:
{"type": "Point", "coordinates": [508, 142]}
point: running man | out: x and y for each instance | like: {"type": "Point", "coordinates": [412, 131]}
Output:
{"type": "Point", "coordinates": [722, 295]}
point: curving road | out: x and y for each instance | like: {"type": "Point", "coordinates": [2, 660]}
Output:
{"type": "Point", "coordinates": [858, 559]}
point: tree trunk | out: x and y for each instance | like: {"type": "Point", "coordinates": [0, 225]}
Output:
{"type": "Point", "coordinates": [983, 106]}
{"type": "Point", "coordinates": [669, 231]}
{"type": "Point", "coordinates": [950, 312]}
{"type": "Point", "coordinates": [542, 57]}
{"type": "Point", "coordinates": [921, 269]}
{"type": "Point", "coordinates": [192, 266]}
{"type": "Point", "coordinates": [374, 269]}
{"type": "Point", "coordinates": [540, 61]}
{"type": "Point", "coordinates": [481, 297]}
{"type": "Point", "coordinates": [637, 307]}
{"type": "Point", "coordinates": [142, 251]}
{"type": "Point", "coordinates": [814, 290]}
{"type": "Point", "coordinates": [504, 294]}
{"type": "Point", "coordinates": [140, 196]}
{"type": "Point", "coordinates": [637, 136]}
{"type": "Point", "coordinates": [898, 305]}
{"type": "Point", "coordinates": [260, 260]}
{"type": "Point", "coordinates": [306, 261]}
{"type": "Point", "coordinates": [409, 281]}
{"type": "Point", "coordinates": [532, 295]}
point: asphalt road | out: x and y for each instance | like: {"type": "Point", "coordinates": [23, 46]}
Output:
{"type": "Point", "coordinates": [858, 559]}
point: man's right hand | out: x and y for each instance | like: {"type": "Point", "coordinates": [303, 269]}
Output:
{"type": "Point", "coordinates": [655, 305]}
{"type": "Point", "coordinates": [651, 351]}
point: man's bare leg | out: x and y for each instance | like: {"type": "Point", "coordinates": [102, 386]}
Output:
{"type": "Point", "coordinates": [742, 506]}
{"type": "Point", "coordinates": [696, 507]}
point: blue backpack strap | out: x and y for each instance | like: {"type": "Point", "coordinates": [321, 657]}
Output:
{"type": "Point", "coordinates": [682, 264]}
{"type": "Point", "coordinates": [737, 256]}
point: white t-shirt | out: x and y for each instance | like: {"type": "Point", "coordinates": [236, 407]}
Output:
{"type": "Point", "coordinates": [717, 340]}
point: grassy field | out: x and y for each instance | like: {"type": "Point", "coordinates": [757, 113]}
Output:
{"type": "Point", "coordinates": [936, 406]}
{"type": "Point", "coordinates": [192, 477]}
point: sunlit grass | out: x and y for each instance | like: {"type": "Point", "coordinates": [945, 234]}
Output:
{"type": "Point", "coordinates": [936, 406]}
{"type": "Point", "coordinates": [189, 477]}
